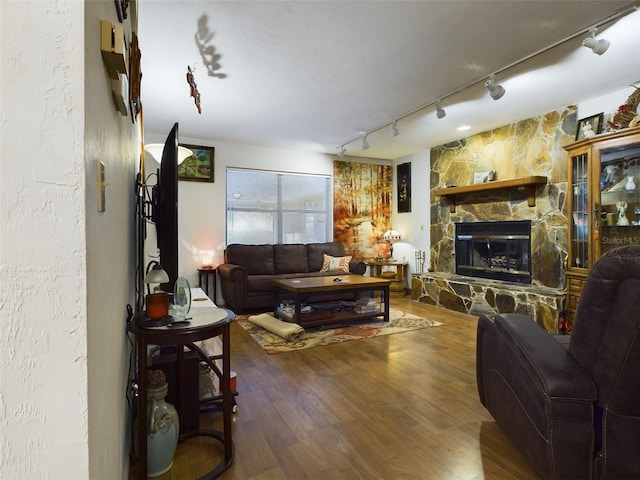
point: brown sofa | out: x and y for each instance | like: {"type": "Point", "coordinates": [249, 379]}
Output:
{"type": "Point", "coordinates": [247, 276]}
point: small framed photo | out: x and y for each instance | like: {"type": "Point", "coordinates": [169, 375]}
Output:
{"type": "Point", "coordinates": [484, 177]}
{"type": "Point", "coordinates": [199, 167]}
{"type": "Point", "coordinates": [589, 126]}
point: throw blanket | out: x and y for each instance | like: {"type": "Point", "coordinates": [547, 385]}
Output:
{"type": "Point", "coordinates": [286, 330]}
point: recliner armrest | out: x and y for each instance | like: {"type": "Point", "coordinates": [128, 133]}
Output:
{"type": "Point", "coordinates": [548, 362]}
{"type": "Point", "coordinates": [231, 272]}
{"type": "Point", "coordinates": [358, 267]}
{"type": "Point", "coordinates": [539, 395]}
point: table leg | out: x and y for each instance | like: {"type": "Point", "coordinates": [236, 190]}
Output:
{"type": "Point", "coordinates": [276, 302]}
{"type": "Point", "coordinates": [180, 385]}
{"type": "Point", "coordinates": [142, 408]}
{"type": "Point", "coordinates": [226, 394]}
{"type": "Point", "coordinates": [385, 295]}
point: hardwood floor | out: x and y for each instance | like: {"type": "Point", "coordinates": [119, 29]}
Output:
{"type": "Point", "coordinates": [401, 406]}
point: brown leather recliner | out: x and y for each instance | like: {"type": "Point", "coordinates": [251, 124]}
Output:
{"type": "Point", "coordinates": [573, 412]}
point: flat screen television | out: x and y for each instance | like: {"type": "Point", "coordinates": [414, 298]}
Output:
{"type": "Point", "coordinates": [166, 209]}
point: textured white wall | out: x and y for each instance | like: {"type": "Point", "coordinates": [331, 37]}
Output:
{"type": "Point", "coordinates": [43, 383]}
{"type": "Point", "coordinates": [113, 139]}
{"type": "Point", "coordinates": [65, 272]}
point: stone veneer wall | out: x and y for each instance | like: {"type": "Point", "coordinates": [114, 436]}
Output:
{"type": "Point", "coordinates": [529, 147]}
{"type": "Point", "coordinates": [477, 296]}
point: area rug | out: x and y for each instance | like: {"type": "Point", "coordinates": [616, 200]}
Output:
{"type": "Point", "coordinates": [399, 322]}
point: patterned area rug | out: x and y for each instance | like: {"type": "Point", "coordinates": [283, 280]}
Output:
{"type": "Point", "coordinates": [398, 322]}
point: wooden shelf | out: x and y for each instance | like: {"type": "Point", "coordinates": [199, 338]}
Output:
{"type": "Point", "coordinates": [526, 184]}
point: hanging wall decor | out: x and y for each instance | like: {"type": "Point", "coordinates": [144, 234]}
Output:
{"type": "Point", "coordinates": [199, 167]}
{"type": "Point", "coordinates": [362, 207]}
{"type": "Point", "coordinates": [403, 174]}
{"type": "Point", "coordinates": [194, 89]}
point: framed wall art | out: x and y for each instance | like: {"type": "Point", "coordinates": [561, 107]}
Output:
{"type": "Point", "coordinates": [589, 126]}
{"type": "Point", "coordinates": [403, 173]}
{"type": "Point", "coordinates": [199, 167]}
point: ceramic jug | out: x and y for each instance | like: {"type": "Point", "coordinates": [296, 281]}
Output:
{"type": "Point", "coordinates": [163, 427]}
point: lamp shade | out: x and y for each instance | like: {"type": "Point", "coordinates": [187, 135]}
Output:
{"type": "Point", "coordinates": [391, 235]}
{"type": "Point", "coordinates": [155, 150]}
{"type": "Point", "coordinates": [156, 275]}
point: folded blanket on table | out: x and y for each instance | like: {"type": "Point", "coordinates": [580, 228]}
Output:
{"type": "Point", "coordinates": [286, 330]}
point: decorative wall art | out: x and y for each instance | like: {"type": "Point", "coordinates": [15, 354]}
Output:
{"type": "Point", "coordinates": [589, 126]}
{"type": "Point", "coordinates": [199, 167]}
{"type": "Point", "coordinates": [121, 8]}
{"type": "Point", "coordinates": [403, 172]}
{"type": "Point", "coordinates": [362, 207]}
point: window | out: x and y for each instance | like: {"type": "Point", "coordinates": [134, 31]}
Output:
{"type": "Point", "coordinates": [276, 207]}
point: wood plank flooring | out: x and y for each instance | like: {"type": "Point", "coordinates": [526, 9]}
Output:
{"type": "Point", "coordinates": [401, 406]}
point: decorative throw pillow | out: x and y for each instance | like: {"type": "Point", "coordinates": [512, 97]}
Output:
{"type": "Point", "coordinates": [335, 264]}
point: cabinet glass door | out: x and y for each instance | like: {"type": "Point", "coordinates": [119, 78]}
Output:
{"type": "Point", "coordinates": [619, 178]}
{"type": "Point", "coordinates": [580, 208]}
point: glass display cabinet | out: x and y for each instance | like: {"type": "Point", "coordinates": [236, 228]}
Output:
{"type": "Point", "coordinates": [603, 194]}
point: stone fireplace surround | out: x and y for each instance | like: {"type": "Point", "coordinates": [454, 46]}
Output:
{"type": "Point", "coordinates": [526, 148]}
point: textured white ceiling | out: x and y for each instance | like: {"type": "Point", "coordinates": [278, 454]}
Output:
{"type": "Point", "coordinates": [312, 75]}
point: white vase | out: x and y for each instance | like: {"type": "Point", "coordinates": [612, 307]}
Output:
{"type": "Point", "coordinates": [631, 185]}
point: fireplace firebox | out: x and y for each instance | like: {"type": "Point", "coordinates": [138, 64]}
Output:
{"type": "Point", "coordinates": [494, 250]}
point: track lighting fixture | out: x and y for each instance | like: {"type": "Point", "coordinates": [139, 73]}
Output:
{"type": "Point", "coordinates": [394, 128]}
{"type": "Point", "coordinates": [597, 46]}
{"type": "Point", "coordinates": [496, 91]}
{"type": "Point", "coordinates": [365, 143]}
{"type": "Point", "coordinates": [341, 151]}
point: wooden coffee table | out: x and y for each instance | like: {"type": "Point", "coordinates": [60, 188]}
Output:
{"type": "Point", "coordinates": [301, 288]}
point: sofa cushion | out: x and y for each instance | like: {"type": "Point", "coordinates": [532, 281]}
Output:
{"type": "Point", "coordinates": [335, 264]}
{"type": "Point", "coordinates": [255, 259]}
{"type": "Point", "coordinates": [290, 258]}
{"type": "Point", "coordinates": [315, 252]}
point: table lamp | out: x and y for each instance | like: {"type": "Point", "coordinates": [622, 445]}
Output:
{"type": "Point", "coordinates": [391, 236]}
{"type": "Point", "coordinates": [157, 302]}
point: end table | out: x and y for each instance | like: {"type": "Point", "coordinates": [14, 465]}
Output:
{"type": "Point", "coordinates": [204, 275]}
{"type": "Point", "coordinates": [395, 272]}
{"type": "Point", "coordinates": [205, 323]}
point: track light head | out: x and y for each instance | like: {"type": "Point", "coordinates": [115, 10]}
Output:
{"type": "Point", "coordinates": [394, 128]}
{"type": "Point", "coordinates": [365, 143]}
{"type": "Point", "coordinates": [341, 151]}
{"type": "Point", "coordinates": [597, 46]}
{"type": "Point", "coordinates": [496, 91]}
{"type": "Point", "coordinates": [440, 113]}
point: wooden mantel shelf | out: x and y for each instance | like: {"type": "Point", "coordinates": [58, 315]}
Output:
{"type": "Point", "coordinates": [526, 184]}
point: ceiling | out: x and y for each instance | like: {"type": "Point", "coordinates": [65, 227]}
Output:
{"type": "Point", "coordinates": [313, 75]}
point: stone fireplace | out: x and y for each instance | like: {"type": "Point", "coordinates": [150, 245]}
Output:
{"type": "Point", "coordinates": [494, 250]}
{"type": "Point", "coordinates": [531, 147]}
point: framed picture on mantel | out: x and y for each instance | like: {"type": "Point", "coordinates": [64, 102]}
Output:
{"type": "Point", "coordinates": [199, 167]}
